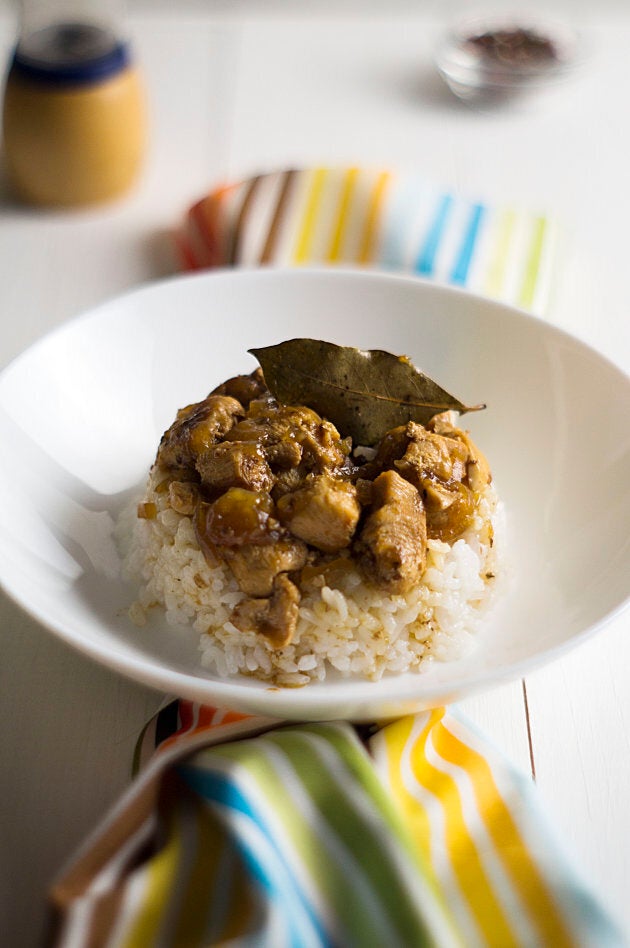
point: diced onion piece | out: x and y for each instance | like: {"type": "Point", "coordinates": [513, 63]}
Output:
{"type": "Point", "coordinates": [147, 511]}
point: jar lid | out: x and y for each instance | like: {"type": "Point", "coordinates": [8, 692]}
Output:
{"type": "Point", "coordinates": [70, 54]}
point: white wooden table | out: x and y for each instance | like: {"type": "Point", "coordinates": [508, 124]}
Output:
{"type": "Point", "coordinates": [233, 96]}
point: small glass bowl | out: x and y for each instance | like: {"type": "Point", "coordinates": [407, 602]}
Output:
{"type": "Point", "coordinates": [494, 59]}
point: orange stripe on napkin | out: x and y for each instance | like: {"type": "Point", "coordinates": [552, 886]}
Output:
{"type": "Point", "coordinates": [372, 223]}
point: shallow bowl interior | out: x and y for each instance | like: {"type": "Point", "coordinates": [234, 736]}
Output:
{"type": "Point", "coordinates": [82, 411]}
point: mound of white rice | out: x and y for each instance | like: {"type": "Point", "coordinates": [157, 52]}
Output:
{"type": "Point", "coordinates": [344, 623]}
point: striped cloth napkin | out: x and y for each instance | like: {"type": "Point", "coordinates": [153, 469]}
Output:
{"type": "Point", "coordinates": [249, 831]}
{"type": "Point", "coordinates": [364, 217]}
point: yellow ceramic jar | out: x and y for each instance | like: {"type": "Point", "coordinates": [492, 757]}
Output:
{"type": "Point", "coordinates": [74, 131]}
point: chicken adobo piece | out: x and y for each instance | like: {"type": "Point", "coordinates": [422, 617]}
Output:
{"type": "Point", "coordinates": [275, 488]}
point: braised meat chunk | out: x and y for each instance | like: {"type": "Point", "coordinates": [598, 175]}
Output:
{"type": "Point", "coordinates": [244, 388]}
{"type": "Point", "coordinates": [324, 512]}
{"type": "Point", "coordinates": [274, 617]}
{"type": "Point", "coordinates": [284, 455]}
{"type": "Point", "coordinates": [195, 429]}
{"type": "Point", "coordinates": [256, 566]}
{"type": "Point", "coordinates": [392, 545]}
{"type": "Point", "coordinates": [234, 464]}
{"type": "Point", "coordinates": [436, 466]}
{"type": "Point", "coordinates": [477, 468]}
{"type": "Point", "coordinates": [433, 456]}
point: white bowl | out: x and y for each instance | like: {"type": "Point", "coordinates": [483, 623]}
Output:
{"type": "Point", "coordinates": [82, 411]}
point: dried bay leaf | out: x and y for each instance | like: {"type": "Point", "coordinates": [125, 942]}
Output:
{"type": "Point", "coordinates": [363, 392]}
